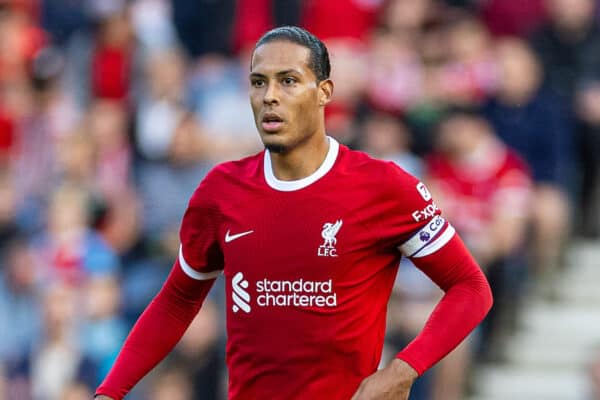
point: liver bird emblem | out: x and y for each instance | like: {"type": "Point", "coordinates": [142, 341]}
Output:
{"type": "Point", "coordinates": [329, 232]}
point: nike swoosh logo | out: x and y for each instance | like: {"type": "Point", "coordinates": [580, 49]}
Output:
{"type": "Point", "coordinates": [231, 238]}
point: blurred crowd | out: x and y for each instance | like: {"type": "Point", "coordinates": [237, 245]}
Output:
{"type": "Point", "coordinates": [112, 111]}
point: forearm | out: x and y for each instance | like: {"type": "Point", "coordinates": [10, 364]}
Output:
{"type": "Point", "coordinates": [508, 233]}
{"type": "Point", "coordinates": [466, 301]}
{"type": "Point", "coordinates": [156, 332]}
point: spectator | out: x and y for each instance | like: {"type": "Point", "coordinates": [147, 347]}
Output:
{"type": "Point", "coordinates": [171, 385]}
{"type": "Point", "coordinates": [153, 25]}
{"type": "Point", "coordinates": [112, 59]}
{"type": "Point", "coordinates": [468, 75]}
{"type": "Point", "coordinates": [536, 124]}
{"type": "Point", "coordinates": [388, 138]}
{"type": "Point", "coordinates": [161, 104]}
{"type": "Point", "coordinates": [8, 211]}
{"type": "Point", "coordinates": [485, 189]}
{"type": "Point", "coordinates": [568, 45]}
{"type": "Point", "coordinates": [513, 17]}
{"type": "Point", "coordinates": [7, 137]}
{"type": "Point", "coordinates": [57, 347]}
{"type": "Point", "coordinates": [406, 17]}
{"type": "Point", "coordinates": [569, 48]}
{"type": "Point", "coordinates": [104, 330]}
{"type": "Point", "coordinates": [162, 185]}
{"type": "Point", "coordinates": [43, 115]}
{"type": "Point", "coordinates": [199, 354]}
{"type": "Point", "coordinates": [107, 125]}
{"type": "Point", "coordinates": [395, 74]}
{"type": "Point", "coordinates": [76, 391]}
{"type": "Point", "coordinates": [349, 65]}
{"type": "Point", "coordinates": [22, 40]}
{"type": "Point", "coordinates": [19, 302]}
{"type": "Point", "coordinates": [216, 87]}
{"type": "Point", "coordinates": [69, 250]}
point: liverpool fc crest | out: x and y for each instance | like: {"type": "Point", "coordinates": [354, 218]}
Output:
{"type": "Point", "coordinates": [327, 249]}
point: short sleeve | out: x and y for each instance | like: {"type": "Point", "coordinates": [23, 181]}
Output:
{"type": "Point", "coordinates": [414, 223]}
{"type": "Point", "coordinates": [200, 254]}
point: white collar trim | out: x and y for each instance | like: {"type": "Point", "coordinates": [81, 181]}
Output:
{"type": "Point", "coordinates": [288, 186]}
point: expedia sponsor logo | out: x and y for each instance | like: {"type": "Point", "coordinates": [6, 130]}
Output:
{"type": "Point", "coordinates": [425, 213]}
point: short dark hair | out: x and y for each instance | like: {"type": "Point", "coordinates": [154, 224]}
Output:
{"type": "Point", "coordinates": [319, 56]}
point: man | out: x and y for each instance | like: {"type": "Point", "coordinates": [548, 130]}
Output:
{"type": "Point", "coordinates": [486, 189]}
{"type": "Point", "coordinates": [308, 235]}
{"type": "Point", "coordinates": [536, 123]}
{"type": "Point", "coordinates": [568, 47]}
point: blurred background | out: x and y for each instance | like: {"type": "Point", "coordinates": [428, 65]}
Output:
{"type": "Point", "coordinates": [112, 111]}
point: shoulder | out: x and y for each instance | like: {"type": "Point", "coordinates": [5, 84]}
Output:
{"type": "Point", "coordinates": [514, 172]}
{"type": "Point", "coordinates": [222, 177]}
{"type": "Point", "coordinates": [361, 164]}
{"type": "Point", "coordinates": [385, 180]}
{"type": "Point", "coordinates": [514, 161]}
{"type": "Point", "coordinates": [234, 170]}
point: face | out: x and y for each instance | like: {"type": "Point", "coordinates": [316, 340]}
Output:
{"type": "Point", "coordinates": [287, 101]}
{"type": "Point", "coordinates": [384, 135]}
{"type": "Point", "coordinates": [520, 74]}
{"type": "Point", "coordinates": [571, 13]}
{"type": "Point", "coordinates": [459, 135]}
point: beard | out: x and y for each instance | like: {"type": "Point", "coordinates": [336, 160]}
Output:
{"type": "Point", "coordinates": [276, 148]}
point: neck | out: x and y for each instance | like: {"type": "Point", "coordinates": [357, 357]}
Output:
{"type": "Point", "coordinates": [484, 155]}
{"type": "Point", "coordinates": [301, 161]}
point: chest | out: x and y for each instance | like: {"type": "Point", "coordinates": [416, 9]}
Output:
{"type": "Point", "coordinates": [313, 237]}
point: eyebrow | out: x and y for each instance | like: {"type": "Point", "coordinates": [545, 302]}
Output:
{"type": "Point", "coordinates": [280, 73]}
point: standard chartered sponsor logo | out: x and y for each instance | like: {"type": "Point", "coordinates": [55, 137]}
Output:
{"type": "Point", "coordinates": [241, 298]}
{"type": "Point", "coordinates": [275, 293]}
{"type": "Point", "coordinates": [298, 293]}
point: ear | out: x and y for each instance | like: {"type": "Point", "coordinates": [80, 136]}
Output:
{"type": "Point", "coordinates": [325, 91]}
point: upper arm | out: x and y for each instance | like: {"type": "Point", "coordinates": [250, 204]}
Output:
{"type": "Point", "coordinates": [200, 254]}
{"type": "Point", "coordinates": [414, 224]}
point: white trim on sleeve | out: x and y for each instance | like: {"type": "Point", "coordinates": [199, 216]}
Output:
{"type": "Point", "coordinates": [192, 273]}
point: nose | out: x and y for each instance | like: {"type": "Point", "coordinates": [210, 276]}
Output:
{"type": "Point", "coordinates": [271, 95]}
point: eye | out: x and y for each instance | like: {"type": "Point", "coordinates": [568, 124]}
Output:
{"type": "Point", "coordinates": [289, 81]}
{"type": "Point", "coordinates": [257, 83]}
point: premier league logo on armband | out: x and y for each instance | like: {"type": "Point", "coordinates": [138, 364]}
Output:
{"type": "Point", "coordinates": [327, 249]}
{"type": "Point", "coordinates": [424, 236]}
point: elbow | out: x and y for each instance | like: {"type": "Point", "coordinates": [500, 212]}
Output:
{"type": "Point", "coordinates": [487, 298]}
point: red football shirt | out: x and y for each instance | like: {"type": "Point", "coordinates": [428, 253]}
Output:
{"type": "Point", "coordinates": [474, 192]}
{"type": "Point", "coordinates": [309, 266]}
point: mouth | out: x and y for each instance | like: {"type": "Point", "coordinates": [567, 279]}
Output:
{"type": "Point", "coordinates": [271, 122]}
